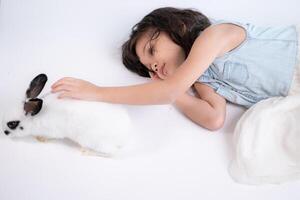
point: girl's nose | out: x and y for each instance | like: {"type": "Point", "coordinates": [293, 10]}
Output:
{"type": "Point", "coordinates": [154, 67]}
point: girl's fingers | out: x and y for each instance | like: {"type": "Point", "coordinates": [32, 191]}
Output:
{"type": "Point", "coordinates": [65, 80]}
{"type": "Point", "coordinates": [65, 95]}
{"type": "Point", "coordinates": [156, 78]}
{"type": "Point", "coordinates": [151, 74]}
{"type": "Point", "coordinates": [62, 87]}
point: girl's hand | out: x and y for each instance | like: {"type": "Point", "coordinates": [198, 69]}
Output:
{"type": "Point", "coordinates": [75, 88]}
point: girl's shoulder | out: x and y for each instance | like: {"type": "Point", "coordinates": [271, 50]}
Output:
{"type": "Point", "coordinates": [232, 33]}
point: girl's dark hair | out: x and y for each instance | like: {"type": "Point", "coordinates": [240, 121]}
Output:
{"type": "Point", "coordinates": [182, 25]}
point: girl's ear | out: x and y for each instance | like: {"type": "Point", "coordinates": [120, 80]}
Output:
{"type": "Point", "coordinates": [36, 86]}
{"type": "Point", "coordinates": [33, 106]}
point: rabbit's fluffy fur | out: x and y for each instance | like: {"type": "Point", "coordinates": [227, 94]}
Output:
{"type": "Point", "coordinates": [97, 126]}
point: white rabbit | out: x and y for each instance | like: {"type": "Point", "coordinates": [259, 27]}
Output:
{"type": "Point", "coordinates": [101, 127]}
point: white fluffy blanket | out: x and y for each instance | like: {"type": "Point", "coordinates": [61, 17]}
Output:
{"type": "Point", "coordinates": [267, 142]}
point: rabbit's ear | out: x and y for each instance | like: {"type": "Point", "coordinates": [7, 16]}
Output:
{"type": "Point", "coordinates": [36, 86]}
{"type": "Point", "coordinates": [33, 106]}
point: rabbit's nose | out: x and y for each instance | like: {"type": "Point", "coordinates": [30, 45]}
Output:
{"type": "Point", "coordinates": [13, 124]}
{"type": "Point", "coordinates": [6, 132]}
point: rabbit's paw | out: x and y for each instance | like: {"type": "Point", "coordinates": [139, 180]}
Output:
{"type": "Point", "coordinates": [108, 149]}
{"type": "Point", "coordinates": [41, 138]}
{"type": "Point", "coordinates": [88, 152]}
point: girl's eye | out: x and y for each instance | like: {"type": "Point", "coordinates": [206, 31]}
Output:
{"type": "Point", "coordinates": [151, 50]}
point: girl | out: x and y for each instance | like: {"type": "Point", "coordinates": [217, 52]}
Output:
{"type": "Point", "coordinates": [182, 48]}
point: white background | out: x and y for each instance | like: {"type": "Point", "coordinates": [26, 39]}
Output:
{"type": "Point", "coordinates": [174, 158]}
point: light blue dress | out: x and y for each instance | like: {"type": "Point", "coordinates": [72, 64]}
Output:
{"type": "Point", "coordinates": [261, 67]}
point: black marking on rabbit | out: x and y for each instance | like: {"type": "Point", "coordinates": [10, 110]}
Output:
{"type": "Point", "coordinates": [13, 124]}
{"type": "Point", "coordinates": [33, 106]}
{"type": "Point", "coordinates": [36, 86]}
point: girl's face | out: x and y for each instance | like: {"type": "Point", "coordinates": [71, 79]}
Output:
{"type": "Point", "coordinates": [160, 55]}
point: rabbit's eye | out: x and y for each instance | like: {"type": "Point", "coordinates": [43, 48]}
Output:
{"type": "Point", "coordinates": [13, 124]}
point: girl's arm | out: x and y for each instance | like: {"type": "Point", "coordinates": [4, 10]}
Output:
{"type": "Point", "coordinates": [211, 42]}
{"type": "Point", "coordinates": [204, 50]}
{"type": "Point", "coordinates": [148, 93]}
{"type": "Point", "coordinates": [200, 111]}
{"type": "Point", "coordinates": [157, 92]}
{"type": "Point", "coordinates": [206, 108]}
